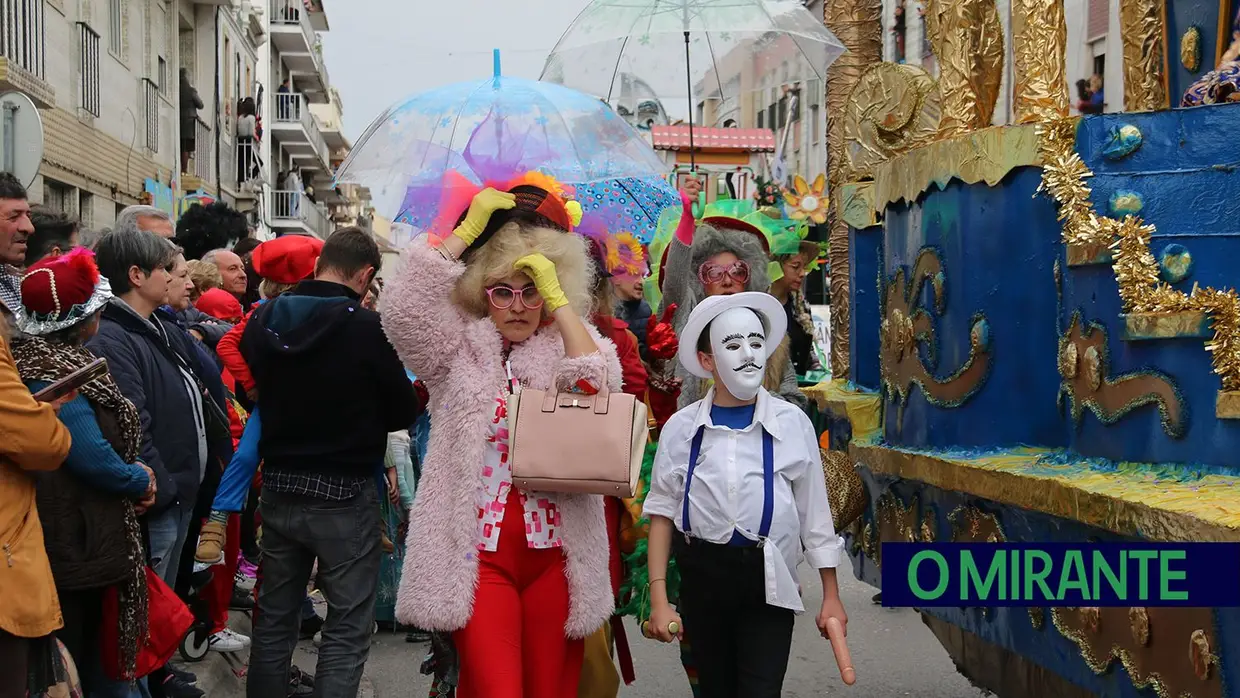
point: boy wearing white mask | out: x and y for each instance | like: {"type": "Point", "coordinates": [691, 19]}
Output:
{"type": "Point", "coordinates": [737, 492]}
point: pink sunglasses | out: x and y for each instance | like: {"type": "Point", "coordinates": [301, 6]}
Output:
{"type": "Point", "coordinates": [502, 297]}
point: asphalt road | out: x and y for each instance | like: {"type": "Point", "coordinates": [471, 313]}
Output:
{"type": "Point", "coordinates": [894, 653]}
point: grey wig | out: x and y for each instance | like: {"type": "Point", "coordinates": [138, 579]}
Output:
{"type": "Point", "coordinates": [709, 241]}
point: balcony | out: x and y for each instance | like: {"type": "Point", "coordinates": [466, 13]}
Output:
{"type": "Point", "coordinates": [295, 128]}
{"type": "Point", "coordinates": [291, 211]}
{"type": "Point", "coordinates": [294, 38]}
{"type": "Point", "coordinates": [199, 174]}
{"type": "Point", "coordinates": [23, 58]}
{"type": "Point", "coordinates": [241, 169]}
{"type": "Point", "coordinates": [318, 16]}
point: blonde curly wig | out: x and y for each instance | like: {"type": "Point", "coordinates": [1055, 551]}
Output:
{"type": "Point", "coordinates": [494, 261]}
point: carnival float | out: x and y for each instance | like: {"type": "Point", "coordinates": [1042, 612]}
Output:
{"type": "Point", "coordinates": [1035, 327]}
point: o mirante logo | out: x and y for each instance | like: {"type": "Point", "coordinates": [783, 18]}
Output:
{"type": "Point", "coordinates": [1061, 574]}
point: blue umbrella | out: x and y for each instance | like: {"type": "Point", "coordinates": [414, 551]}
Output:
{"type": "Point", "coordinates": [626, 205]}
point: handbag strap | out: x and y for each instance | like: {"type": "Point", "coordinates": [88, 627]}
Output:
{"type": "Point", "coordinates": [768, 480]}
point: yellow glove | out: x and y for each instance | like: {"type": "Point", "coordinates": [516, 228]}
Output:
{"type": "Point", "coordinates": [542, 271]}
{"type": "Point", "coordinates": [485, 203]}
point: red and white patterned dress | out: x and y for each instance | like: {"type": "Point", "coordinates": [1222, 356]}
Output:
{"type": "Point", "coordinates": [542, 520]}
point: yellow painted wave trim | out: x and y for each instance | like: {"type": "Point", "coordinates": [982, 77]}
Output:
{"type": "Point", "coordinates": [1131, 500]}
{"type": "Point", "coordinates": [865, 410]}
{"type": "Point", "coordinates": [980, 156]}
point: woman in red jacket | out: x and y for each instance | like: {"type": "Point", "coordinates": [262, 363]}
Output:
{"type": "Point", "coordinates": [612, 257]}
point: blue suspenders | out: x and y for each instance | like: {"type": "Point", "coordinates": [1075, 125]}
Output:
{"type": "Point", "coordinates": [768, 480]}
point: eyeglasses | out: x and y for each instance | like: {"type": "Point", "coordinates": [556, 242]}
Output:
{"type": "Point", "coordinates": [712, 273]}
{"type": "Point", "coordinates": [502, 297]}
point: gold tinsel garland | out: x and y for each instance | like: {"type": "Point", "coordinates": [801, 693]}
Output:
{"type": "Point", "coordinates": [1136, 270]}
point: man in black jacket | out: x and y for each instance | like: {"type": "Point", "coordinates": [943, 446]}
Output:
{"type": "Point", "coordinates": [331, 388]}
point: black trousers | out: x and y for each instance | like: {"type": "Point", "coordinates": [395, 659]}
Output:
{"type": "Point", "coordinates": [740, 643]}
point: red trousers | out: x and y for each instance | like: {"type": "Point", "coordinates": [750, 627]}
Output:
{"type": "Point", "coordinates": [514, 645]}
{"type": "Point", "coordinates": [218, 593]}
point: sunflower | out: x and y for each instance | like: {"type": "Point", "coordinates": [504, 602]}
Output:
{"type": "Point", "coordinates": [808, 202]}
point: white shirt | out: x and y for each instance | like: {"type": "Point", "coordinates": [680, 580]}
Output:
{"type": "Point", "coordinates": [727, 491]}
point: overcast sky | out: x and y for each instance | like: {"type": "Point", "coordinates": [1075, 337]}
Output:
{"type": "Point", "coordinates": [381, 51]}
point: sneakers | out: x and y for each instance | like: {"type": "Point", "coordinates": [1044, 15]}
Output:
{"type": "Point", "coordinates": [227, 641]}
{"type": "Point", "coordinates": [176, 687]}
{"type": "Point", "coordinates": [241, 601]}
{"type": "Point", "coordinates": [211, 542]}
{"type": "Point", "coordinates": [244, 566]}
{"type": "Point", "coordinates": [299, 683]}
{"type": "Point", "coordinates": [186, 676]}
{"type": "Point", "coordinates": [243, 581]}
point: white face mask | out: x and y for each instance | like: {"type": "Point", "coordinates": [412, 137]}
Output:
{"type": "Point", "coordinates": [738, 341]}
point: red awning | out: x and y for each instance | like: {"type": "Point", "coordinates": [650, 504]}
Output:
{"type": "Point", "coordinates": [752, 140]}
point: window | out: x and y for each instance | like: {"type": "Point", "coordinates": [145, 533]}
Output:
{"type": "Point", "coordinates": [56, 196]}
{"type": "Point", "coordinates": [150, 108]}
{"type": "Point", "coordinates": [162, 76]}
{"type": "Point", "coordinates": [22, 35]}
{"type": "Point", "coordinates": [116, 27]}
{"type": "Point", "coordinates": [88, 45]}
{"type": "Point", "coordinates": [86, 208]}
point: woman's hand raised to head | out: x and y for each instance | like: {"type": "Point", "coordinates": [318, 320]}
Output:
{"type": "Point", "coordinates": [485, 203]}
{"type": "Point", "coordinates": [542, 271]}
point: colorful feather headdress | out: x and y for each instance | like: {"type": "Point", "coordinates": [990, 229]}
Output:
{"type": "Point", "coordinates": [540, 199]}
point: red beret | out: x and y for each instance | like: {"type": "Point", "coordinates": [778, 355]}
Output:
{"type": "Point", "coordinates": [56, 284]}
{"type": "Point", "coordinates": [288, 259]}
{"type": "Point", "coordinates": [220, 304]}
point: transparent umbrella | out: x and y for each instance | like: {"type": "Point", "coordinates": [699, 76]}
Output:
{"type": "Point", "coordinates": [475, 133]}
{"type": "Point", "coordinates": [705, 54]}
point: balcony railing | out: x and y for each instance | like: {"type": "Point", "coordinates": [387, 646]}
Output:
{"type": "Point", "coordinates": [295, 206]}
{"type": "Point", "coordinates": [22, 37]}
{"type": "Point", "coordinates": [292, 108]}
{"type": "Point", "coordinates": [204, 146]}
{"type": "Point", "coordinates": [293, 13]}
{"type": "Point", "coordinates": [240, 166]}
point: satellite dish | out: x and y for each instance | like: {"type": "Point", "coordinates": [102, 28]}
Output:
{"type": "Point", "coordinates": [21, 137]}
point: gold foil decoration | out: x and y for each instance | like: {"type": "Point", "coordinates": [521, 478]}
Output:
{"type": "Point", "coordinates": [1106, 634]}
{"type": "Point", "coordinates": [986, 156]}
{"type": "Point", "coordinates": [893, 108]}
{"type": "Point", "coordinates": [1037, 617]}
{"type": "Point", "coordinates": [1200, 655]}
{"type": "Point", "coordinates": [928, 526]}
{"type": "Point", "coordinates": [967, 38]}
{"type": "Point", "coordinates": [1039, 46]}
{"type": "Point", "coordinates": [1086, 383]}
{"type": "Point", "coordinates": [1142, 30]}
{"type": "Point", "coordinates": [1131, 501]}
{"type": "Point", "coordinates": [1064, 177]}
{"type": "Point", "coordinates": [858, 24]}
{"type": "Point", "coordinates": [1190, 50]}
{"type": "Point", "coordinates": [1139, 620]}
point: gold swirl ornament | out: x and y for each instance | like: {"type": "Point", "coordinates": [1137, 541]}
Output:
{"type": "Point", "coordinates": [893, 109]}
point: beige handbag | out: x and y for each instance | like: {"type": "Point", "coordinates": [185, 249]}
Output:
{"type": "Point", "coordinates": [570, 442]}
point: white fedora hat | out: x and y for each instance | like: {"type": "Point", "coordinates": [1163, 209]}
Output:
{"type": "Point", "coordinates": [764, 304]}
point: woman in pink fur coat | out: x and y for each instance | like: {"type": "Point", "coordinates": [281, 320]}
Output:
{"type": "Point", "coordinates": [518, 578]}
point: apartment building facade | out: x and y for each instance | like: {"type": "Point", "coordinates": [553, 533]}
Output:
{"type": "Point", "coordinates": [107, 78]}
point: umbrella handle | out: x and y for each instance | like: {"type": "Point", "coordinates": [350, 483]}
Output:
{"type": "Point", "coordinates": [689, 92]}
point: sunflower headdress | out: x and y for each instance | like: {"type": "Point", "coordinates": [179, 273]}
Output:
{"type": "Point", "coordinates": [619, 256]}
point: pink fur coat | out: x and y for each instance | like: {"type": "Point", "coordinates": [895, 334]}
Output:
{"type": "Point", "coordinates": [459, 358]}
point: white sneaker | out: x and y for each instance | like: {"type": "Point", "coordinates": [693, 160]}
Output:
{"type": "Point", "coordinates": [228, 641]}
{"type": "Point", "coordinates": [243, 582]}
